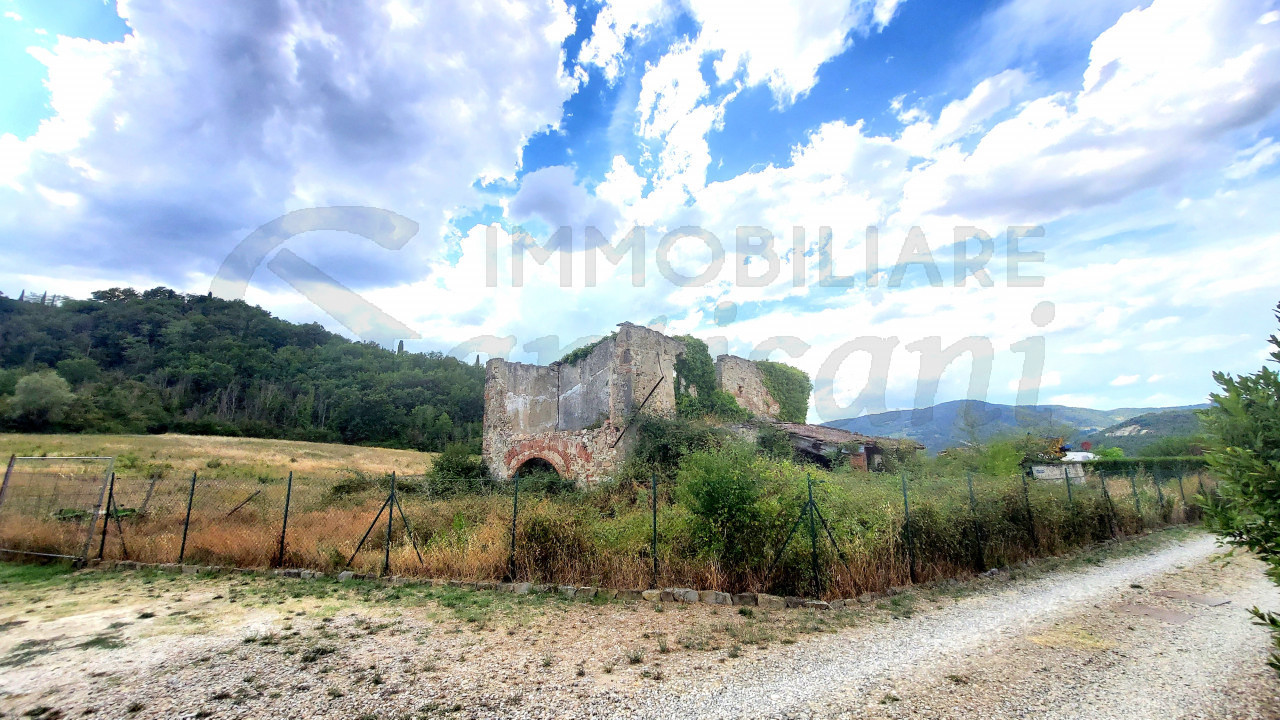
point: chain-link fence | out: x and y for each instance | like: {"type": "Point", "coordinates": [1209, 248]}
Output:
{"type": "Point", "coordinates": [50, 506]}
{"type": "Point", "coordinates": [834, 538]}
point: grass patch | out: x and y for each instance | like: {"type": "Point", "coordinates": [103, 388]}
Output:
{"type": "Point", "coordinates": [26, 651]}
{"type": "Point", "coordinates": [104, 641]}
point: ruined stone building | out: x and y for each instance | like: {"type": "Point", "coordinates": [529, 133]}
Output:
{"type": "Point", "coordinates": [578, 417]}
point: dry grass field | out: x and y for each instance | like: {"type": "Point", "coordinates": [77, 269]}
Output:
{"type": "Point", "coordinates": [244, 457]}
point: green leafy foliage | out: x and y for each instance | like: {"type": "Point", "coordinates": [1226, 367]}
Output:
{"type": "Point", "coordinates": [721, 489]}
{"type": "Point", "coordinates": [40, 400]}
{"type": "Point", "coordinates": [1160, 467]}
{"type": "Point", "coordinates": [790, 387]}
{"type": "Point", "coordinates": [457, 462]}
{"type": "Point", "coordinates": [774, 443]}
{"type": "Point", "coordinates": [156, 361]}
{"type": "Point", "coordinates": [695, 371]}
{"type": "Point", "coordinates": [696, 392]}
{"type": "Point", "coordinates": [662, 443]}
{"type": "Point", "coordinates": [576, 355]}
{"type": "Point", "coordinates": [1176, 446]}
{"type": "Point", "coordinates": [1244, 423]}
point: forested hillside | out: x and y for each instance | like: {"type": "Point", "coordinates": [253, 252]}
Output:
{"type": "Point", "coordinates": [158, 361]}
{"type": "Point", "coordinates": [1167, 432]}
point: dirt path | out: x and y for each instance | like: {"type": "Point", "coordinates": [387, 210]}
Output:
{"type": "Point", "coordinates": [1096, 642]}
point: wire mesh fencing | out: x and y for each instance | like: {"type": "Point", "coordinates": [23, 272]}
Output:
{"type": "Point", "coordinates": [50, 505]}
{"type": "Point", "coordinates": [847, 535]}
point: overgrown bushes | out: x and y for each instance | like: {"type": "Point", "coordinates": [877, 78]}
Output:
{"type": "Point", "coordinates": [1161, 467]}
{"type": "Point", "coordinates": [696, 391]}
{"type": "Point", "coordinates": [1244, 423]}
{"type": "Point", "coordinates": [722, 491]}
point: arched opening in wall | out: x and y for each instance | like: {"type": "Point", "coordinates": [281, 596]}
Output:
{"type": "Point", "coordinates": [539, 475]}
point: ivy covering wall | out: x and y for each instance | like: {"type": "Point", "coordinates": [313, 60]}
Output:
{"type": "Point", "coordinates": [696, 392]}
{"type": "Point", "coordinates": [790, 387]}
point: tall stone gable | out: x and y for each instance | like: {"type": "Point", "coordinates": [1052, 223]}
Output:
{"type": "Point", "coordinates": [742, 379]}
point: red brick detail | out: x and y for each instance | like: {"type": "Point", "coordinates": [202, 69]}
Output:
{"type": "Point", "coordinates": [858, 460]}
{"type": "Point", "coordinates": [559, 452]}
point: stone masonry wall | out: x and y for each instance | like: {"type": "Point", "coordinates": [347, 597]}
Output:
{"type": "Point", "coordinates": [744, 381]}
{"type": "Point", "coordinates": [577, 417]}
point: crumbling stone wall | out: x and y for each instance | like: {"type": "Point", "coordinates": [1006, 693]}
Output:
{"type": "Point", "coordinates": [744, 381]}
{"type": "Point", "coordinates": [577, 417]}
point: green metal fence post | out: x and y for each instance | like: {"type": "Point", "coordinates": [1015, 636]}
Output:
{"type": "Point", "coordinates": [4, 487]}
{"type": "Point", "coordinates": [813, 540]}
{"type": "Point", "coordinates": [979, 562]}
{"type": "Point", "coordinates": [1112, 523]}
{"type": "Point", "coordinates": [1026, 501]}
{"type": "Point", "coordinates": [906, 525]}
{"type": "Point", "coordinates": [1137, 504]}
{"type": "Point", "coordinates": [284, 524]}
{"type": "Point", "coordinates": [106, 518]}
{"type": "Point", "coordinates": [515, 510]}
{"type": "Point", "coordinates": [1183, 492]}
{"type": "Point", "coordinates": [186, 524]}
{"type": "Point", "coordinates": [391, 501]}
{"type": "Point", "coordinates": [653, 501]}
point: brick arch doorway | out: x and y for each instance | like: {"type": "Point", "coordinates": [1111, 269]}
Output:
{"type": "Point", "coordinates": [560, 453]}
{"type": "Point", "coordinates": [537, 465]}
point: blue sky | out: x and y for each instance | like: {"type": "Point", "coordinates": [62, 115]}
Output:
{"type": "Point", "coordinates": [142, 142]}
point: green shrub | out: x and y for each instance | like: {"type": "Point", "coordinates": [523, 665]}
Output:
{"type": "Point", "coordinates": [547, 482]}
{"type": "Point", "coordinates": [457, 463]}
{"type": "Point", "coordinates": [696, 391]}
{"type": "Point", "coordinates": [721, 490]}
{"type": "Point", "coordinates": [573, 357]}
{"type": "Point", "coordinates": [1244, 423]}
{"type": "Point", "coordinates": [1160, 467]}
{"type": "Point", "coordinates": [661, 443]}
{"type": "Point", "coordinates": [774, 443]}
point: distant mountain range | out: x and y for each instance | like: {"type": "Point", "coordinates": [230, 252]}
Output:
{"type": "Point", "coordinates": [959, 421]}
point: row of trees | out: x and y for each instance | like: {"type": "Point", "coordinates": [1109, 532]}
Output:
{"type": "Point", "coordinates": [160, 361]}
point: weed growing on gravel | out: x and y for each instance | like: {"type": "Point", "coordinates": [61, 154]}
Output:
{"type": "Point", "coordinates": [635, 656]}
{"type": "Point", "coordinates": [26, 651]}
{"type": "Point", "coordinates": [902, 605]}
{"type": "Point", "coordinates": [103, 641]}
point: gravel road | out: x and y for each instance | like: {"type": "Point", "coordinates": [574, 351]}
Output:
{"type": "Point", "coordinates": [1130, 637]}
{"type": "Point", "coordinates": [1194, 668]}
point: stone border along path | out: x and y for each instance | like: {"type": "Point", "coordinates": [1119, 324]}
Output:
{"type": "Point", "coordinates": [683, 595]}
{"type": "Point", "coordinates": [814, 677]}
